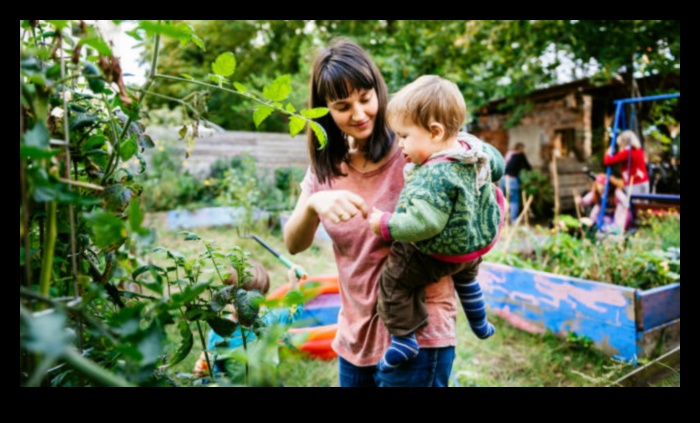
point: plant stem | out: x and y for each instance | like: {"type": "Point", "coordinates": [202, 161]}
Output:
{"type": "Point", "coordinates": [48, 249]}
{"type": "Point", "coordinates": [228, 90]}
{"type": "Point", "coordinates": [71, 217]}
{"type": "Point", "coordinates": [205, 349]}
{"type": "Point", "coordinates": [40, 372]}
{"type": "Point", "coordinates": [211, 254]}
{"type": "Point", "coordinates": [93, 371]}
{"type": "Point", "coordinates": [116, 145]}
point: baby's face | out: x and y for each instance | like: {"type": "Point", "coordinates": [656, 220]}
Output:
{"type": "Point", "coordinates": [416, 142]}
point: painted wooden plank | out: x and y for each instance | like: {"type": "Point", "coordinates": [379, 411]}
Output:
{"type": "Point", "coordinates": [652, 342]}
{"type": "Point", "coordinates": [538, 301]}
{"type": "Point", "coordinates": [659, 306]}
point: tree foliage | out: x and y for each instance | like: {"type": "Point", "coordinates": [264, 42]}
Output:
{"type": "Point", "coordinates": [488, 59]}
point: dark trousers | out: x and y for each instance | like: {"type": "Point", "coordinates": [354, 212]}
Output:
{"type": "Point", "coordinates": [407, 271]}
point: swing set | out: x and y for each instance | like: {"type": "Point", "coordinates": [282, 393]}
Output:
{"type": "Point", "coordinates": [637, 201]}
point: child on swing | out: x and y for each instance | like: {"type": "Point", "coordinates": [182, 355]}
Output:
{"type": "Point", "coordinates": [449, 213]}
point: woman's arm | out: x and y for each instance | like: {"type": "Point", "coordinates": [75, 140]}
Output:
{"type": "Point", "coordinates": [301, 227]}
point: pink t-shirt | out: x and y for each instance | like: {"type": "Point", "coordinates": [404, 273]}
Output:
{"type": "Point", "coordinates": [362, 338]}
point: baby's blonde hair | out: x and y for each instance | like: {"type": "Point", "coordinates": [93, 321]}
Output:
{"type": "Point", "coordinates": [428, 99]}
{"type": "Point", "coordinates": [628, 137]}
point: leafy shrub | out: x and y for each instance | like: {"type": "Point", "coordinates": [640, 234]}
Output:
{"type": "Point", "coordinates": [646, 259]}
{"type": "Point", "coordinates": [169, 186]}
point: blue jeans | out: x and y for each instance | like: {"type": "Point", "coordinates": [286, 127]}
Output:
{"type": "Point", "coordinates": [431, 368]}
{"type": "Point", "coordinates": [513, 189]}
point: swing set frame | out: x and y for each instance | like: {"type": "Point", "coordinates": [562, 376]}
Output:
{"type": "Point", "coordinates": [619, 125]}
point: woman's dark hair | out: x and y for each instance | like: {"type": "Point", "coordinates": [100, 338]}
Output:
{"type": "Point", "coordinates": [339, 69]}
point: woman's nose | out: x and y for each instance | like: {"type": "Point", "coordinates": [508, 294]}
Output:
{"type": "Point", "coordinates": [358, 113]}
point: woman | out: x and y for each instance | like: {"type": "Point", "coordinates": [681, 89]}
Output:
{"type": "Point", "coordinates": [362, 167]}
{"type": "Point", "coordinates": [633, 165]}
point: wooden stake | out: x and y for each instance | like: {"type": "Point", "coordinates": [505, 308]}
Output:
{"type": "Point", "coordinates": [578, 214]}
{"type": "Point", "coordinates": [555, 184]}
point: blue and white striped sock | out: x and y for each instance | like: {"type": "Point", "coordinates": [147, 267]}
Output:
{"type": "Point", "coordinates": [474, 307]}
{"type": "Point", "coordinates": [402, 348]}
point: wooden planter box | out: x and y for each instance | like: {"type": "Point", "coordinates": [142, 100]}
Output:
{"type": "Point", "coordinates": [626, 323]}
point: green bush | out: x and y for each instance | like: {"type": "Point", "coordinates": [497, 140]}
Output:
{"type": "Point", "coordinates": [168, 186]}
{"type": "Point", "coordinates": [646, 259]}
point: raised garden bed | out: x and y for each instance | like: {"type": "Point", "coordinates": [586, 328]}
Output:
{"type": "Point", "coordinates": [626, 323]}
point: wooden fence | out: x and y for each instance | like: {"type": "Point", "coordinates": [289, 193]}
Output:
{"type": "Point", "coordinates": [271, 150]}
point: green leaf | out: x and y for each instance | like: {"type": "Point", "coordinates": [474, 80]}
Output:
{"type": "Point", "coordinates": [116, 198]}
{"type": "Point", "coordinates": [190, 236]}
{"type": "Point", "coordinates": [151, 345]}
{"type": "Point", "coordinates": [186, 344]}
{"type": "Point", "coordinates": [93, 77]}
{"type": "Point", "coordinates": [198, 42]}
{"type": "Point", "coordinates": [127, 149]}
{"type": "Point", "coordinates": [222, 326]}
{"type": "Point", "coordinates": [38, 136]}
{"type": "Point", "coordinates": [189, 293]}
{"type": "Point", "coordinates": [46, 334]}
{"type": "Point", "coordinates": [94, 141]}
{"type": "Point", "coordinates": [108, 231]}
{"type": "Point", "coordinates": [290, 108]}
{"type": "Point", "coordinates": [186, 76]}
{"type": "Point", "coordinates": [240, 87]}
{"type": "Point", "coordinates": [167, 29]}
{"type": "Point", "coordinates": [314, 113]}
{"type": "Point", "coordinates": [225, 64]}
{"type": "Point", "coordinates": [261, 113]}
{"type": "Point", "coordinates": [293, 297]}
{"type": "Point", "coordinates": [221, 298]}
{"type": "Point", "coordinates": [279, 89]}
{"type": "Point", "coordinates": [98, 44]}
{"type": "Point", "coordinates": [135, 216]}
{"type": "Point", "coordinates": [320, 134]}
{"type": "Point", "coordinates": [36, 153]}
{"type": "Point", "coordinates": [58, 24]}
{"type": "Point", "coordinates": [82, 120]}
{"type": "Point", "coordinates": [296, 125]}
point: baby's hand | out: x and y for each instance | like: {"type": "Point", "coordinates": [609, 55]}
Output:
{"type": "Point", "coordinates": [292, 278]}
{"type": "Point", "coordinates": [375, 220]}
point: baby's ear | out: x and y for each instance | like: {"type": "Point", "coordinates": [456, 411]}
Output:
{"type": "Point", "coordinates": [437, 131]}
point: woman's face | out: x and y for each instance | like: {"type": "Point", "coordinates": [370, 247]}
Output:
{"type": "Point", "coordinates": [355, 115]}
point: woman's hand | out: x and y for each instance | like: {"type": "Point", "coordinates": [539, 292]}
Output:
{"type": "Point", "coordinates": [337, 206]}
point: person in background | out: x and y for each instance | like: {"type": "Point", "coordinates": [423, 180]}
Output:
{"type": "Point", "coordinates": [617, 217]}
{"type": "Point", "coordinates": [633, 165]}
{"type": "Point", "coordinates": [516, 161]}
{"type": "Point", "coordinates": [219, 347]}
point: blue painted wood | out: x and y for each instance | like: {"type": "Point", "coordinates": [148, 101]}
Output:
{"type": "Point", "coordinates": [659, 305]}
{"type": "Point", "coordinates": [539, 301]}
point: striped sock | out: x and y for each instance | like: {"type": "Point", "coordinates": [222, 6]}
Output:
{"type": "Point", "coordinates": [474, 307]}
{"type": "Point", "coordinates": [402, 348]}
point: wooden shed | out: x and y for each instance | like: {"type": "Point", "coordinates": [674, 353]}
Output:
{"type": "Point", "coordinates": [566, 127]}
